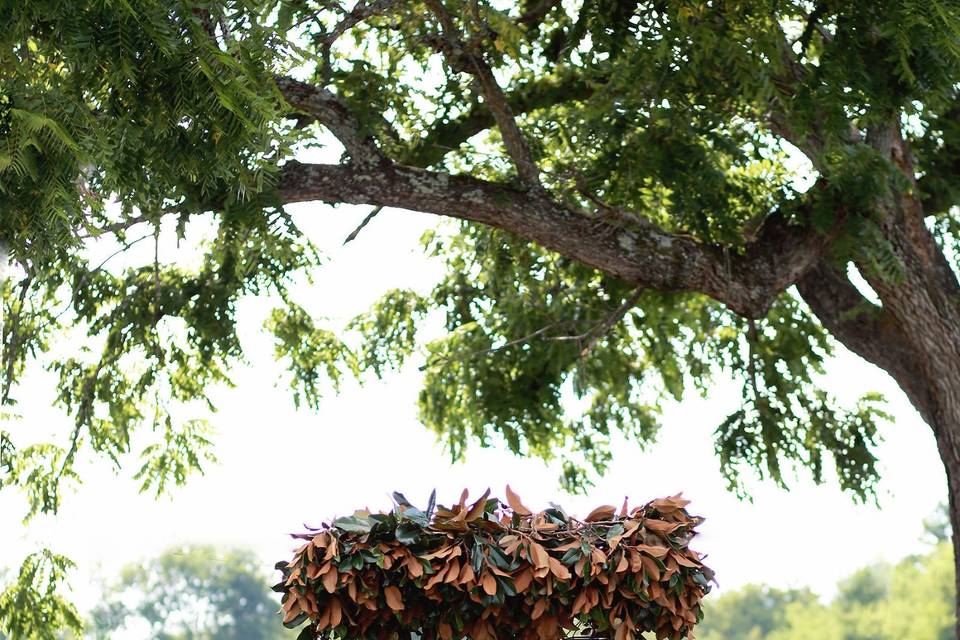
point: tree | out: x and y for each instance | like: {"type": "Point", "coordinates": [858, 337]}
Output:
{"type": "Point", "coordinates": [648, 193]}
{"type": "Point", "coordinates": [192, 593]}
{"type": "Point", "coordinates": [751, 613]}
{"type": "Point", "coordinates": [912, 600]}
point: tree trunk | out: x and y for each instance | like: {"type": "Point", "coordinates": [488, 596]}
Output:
{"type": "Point", "coordinates": [952, 466]}
{"type": "Point", "coordinates": [914, 334]}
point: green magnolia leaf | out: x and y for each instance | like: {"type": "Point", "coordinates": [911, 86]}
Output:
{"type": "Point", "coordinates": [354, 523]}
{"type": "Point", "coordinates": [408, 533]}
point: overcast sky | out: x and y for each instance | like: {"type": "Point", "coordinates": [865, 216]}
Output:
{"type": "Point", "coordinates": [279, 467]}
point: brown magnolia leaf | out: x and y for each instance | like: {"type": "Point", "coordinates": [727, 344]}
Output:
{"type": "Point", "coordinates": [505, 541]}
{"type": "Point", "coordinates": [336, 612]}
{"type": "Point", "coordinates": [476, 510]}
{"type": "Point", "coordinates": [437, 577]}
{"type": "Point", "coordinates": [522, 580]}
{"type": "Point", "coordinates": [604, 512]}
{"type": "Point", "coordinates": [579, 603]}
{"type": "Point", "coordinates": [324, 620]}
{"type": "Point", "coordinates": [453, 572]}
{"type": "Point", "coordinates": [330, 579]}
{"type": "Point", "coordinates": [623, 565]}
{"type": "Point", "coordinates": [466, 573]}
{"type": "Point", "coordinates": [655, 551]}
{"type": "Point", "coordinates": [684, 561]}
{"type": "Point", "coordinates": [393, 598]}
{"type": "Point", "coordinates": [559, 570]}
{"type": "Point", "coordinates": [514, 501]}
{"type": "Point", "coordinates": [598, 556]}
{"type": "Point", "coordinates": [625, 630]}
{"type": "Point", "coordinates": [623, 509]}
{"type": "Point", "coordinates": [538, 609]}
{"type": "Point", "coordinates": [489, 584]}
{"type": "Point", "coordinates": [538, 555]}
{"type": "Point", "coordinates": [659, 526]}
{"type": "Point", "coordinates": [463, 498]}
{"type": "Point", "coordinates": [445, 631]}
{"type": "Point", "coordinates": [414, 567]}
{"type": "Point", "coordinates": [650, 567]}
{"type": "Point", "coordinates": [293, 612]}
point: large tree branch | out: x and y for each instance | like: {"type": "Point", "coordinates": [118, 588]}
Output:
{"type": "Point", "coordinates": [870, 331]}
{"type": "Point", "coordinates": [643, 254]}
{"type": "Point", "coordinates": [323, 105]}
{"type": "Point", "coordinates": [546, 91]}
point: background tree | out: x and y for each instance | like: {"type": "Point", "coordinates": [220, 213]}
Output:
{"type": "Point", "coordinates": [751, 613]}
{"type": "Point", "coordinates": [192, 593]}
{"type": "Point", "coordinates": [910, 601]}
{"type": "Point", "coordinates": [649, 193]}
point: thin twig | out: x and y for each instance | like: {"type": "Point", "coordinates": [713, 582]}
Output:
{"type": "Point", "coordinates": [462, 59]}
{"type": "Point", "coordinates": [752, 341]}
{"type": "Point", "coordinates": [601, 329]}
{"type": "Point", "coordinates": [527, 338]}
{"type": "Point", "coordinates": [83, 278]}
{"type": "Point", "coordinates": [358, 14]}
{"type": "Point", "coordinates": [10, 354]}
{"type": "Point", "coordinates": [370, 216]}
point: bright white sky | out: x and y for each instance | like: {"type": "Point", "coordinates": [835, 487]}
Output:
{"type": "Point", "coordinates": [279, 468]}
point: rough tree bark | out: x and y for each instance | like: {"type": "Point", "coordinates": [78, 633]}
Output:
{"type": "Point", "coordinates": [913, 334]}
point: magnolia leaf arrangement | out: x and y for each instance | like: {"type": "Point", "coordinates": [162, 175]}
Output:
{"type": "Point", "coordinates": [489, 569]}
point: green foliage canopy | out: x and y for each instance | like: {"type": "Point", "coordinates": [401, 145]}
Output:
{"type": "Point", "coordinates": [684, 115]}
{"type": "Point", "coordinates": [192, 593]}
{"type": "Point", "coordinates": [912, 600]}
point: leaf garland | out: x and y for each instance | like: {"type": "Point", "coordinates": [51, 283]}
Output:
{"type": "Point", "coordinates": [490, 569]}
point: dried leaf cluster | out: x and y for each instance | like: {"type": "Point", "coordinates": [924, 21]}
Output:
{"type": "Point", "coordinates": [489, 569]}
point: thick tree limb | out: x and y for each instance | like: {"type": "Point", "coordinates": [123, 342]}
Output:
{"type": "Point", "coordinates": [329, 110]}
{"type": "Point", "coordinates": [866, 329]}
{"type": "Point", "coordinates": [643, 255]}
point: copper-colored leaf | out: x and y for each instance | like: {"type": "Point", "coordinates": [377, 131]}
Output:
{"type": "Point", "coordinates": [393, 598]}
{"type": "Point", "coordinates": [660, 526]}
{"type": "Point", "coordinates": [559, 570]}
{"type": "Point", "coordinates": [514, 501]}
{"type": "Point", "coordinates": [655, 551]}
{"type": "Point", "coordinates": [466, 573]}
{"type": "Point", "coordinates": [538, 609]}
{"type": "Point", "coordinates": [293, 611]}
{"type": "Point", "coordinates": [579, 603]}
{"type": "Point", "coordinates": [476, 510]}
{"type": "Point", "coordinates": [453, 572]}
{"type": "Point", "coordinates": [604, 512]}
{"type": "Point", "coordinates": [336, 612]}
{"type": "Point", "coordinates": [623, 565]}
{"type": "Point", "coordinates": [538, 555]}
{"type": "Point", "coordinates": [489, 584]}
{"type": "Point", "coordinates": [330, 580]}
{"type": "Point", "coordinates": [522, 580]}
{"type": "Point", "coordinates": [683, 561]}
{"type": "Point", "coordinates": [445, 631]}
{"type": "Point", "coordinates": [650, 567]}
{"type": "Point", "coordinates": [414, 567]}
